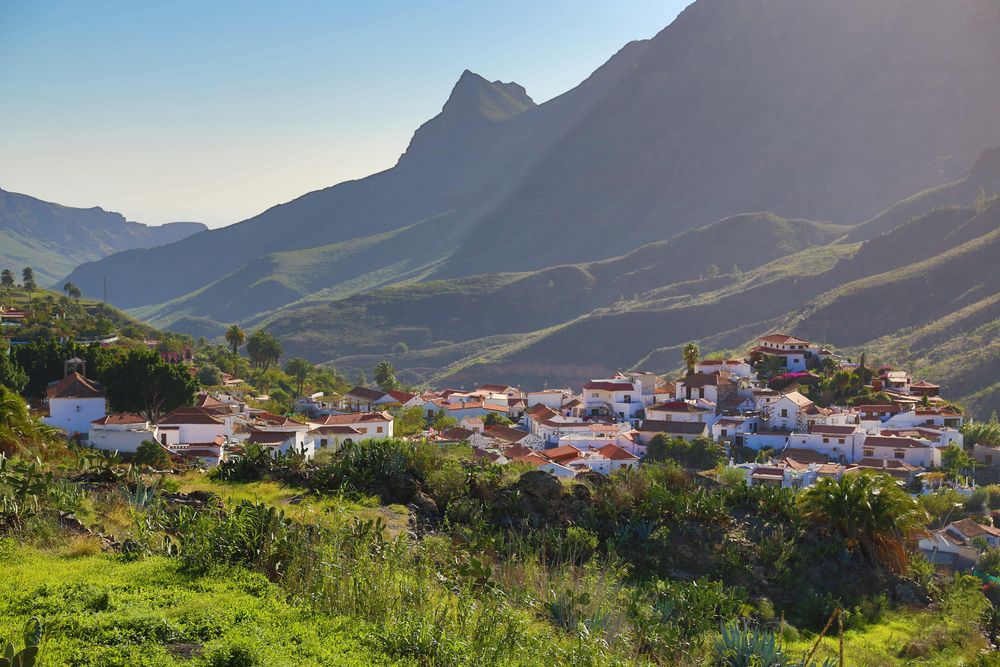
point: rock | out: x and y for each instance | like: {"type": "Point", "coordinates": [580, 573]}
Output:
{"type": "Point", "coordinates": [424, 506]}
{"type": "Point", "coordinates": [541, 485]}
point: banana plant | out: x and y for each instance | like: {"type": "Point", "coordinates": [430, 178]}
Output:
{"type": "Point", "coordinates": [28, 655]}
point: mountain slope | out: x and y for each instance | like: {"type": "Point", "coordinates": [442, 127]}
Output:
{"type": "Point", "coordinates": [55, 239]}
{"type": "Point", "coordinates": [736, 106]}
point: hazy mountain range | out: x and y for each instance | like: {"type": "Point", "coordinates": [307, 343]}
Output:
{"type": "Point", "coordinates": [603, 228]}
{"type": "Point", "coordinates": [53, 239]}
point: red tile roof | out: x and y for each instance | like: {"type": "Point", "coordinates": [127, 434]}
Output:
{"type": "Point", "coordinates": [610, 386]}
{"type": "Point", "coordinates": [74, 385]}
{"type": "Point", "coordinates": [831, 429]}
{"type": "Point", "coordinates": [616, 453]}
{"type": "Point", "coordinates": [895, 443]}
{"type": "Point", "coordinates": [190, 415]}
{"type": "Point", "coordinates": [783, 339]}
{"type": "Point", "coordinates": [352, 418]}
{"type": "Point", "coordinates": [121, 418]}
{"type": "Point", "coordinates": [677, 406]}
{"type": "Point", "coordinates": [365, 394]}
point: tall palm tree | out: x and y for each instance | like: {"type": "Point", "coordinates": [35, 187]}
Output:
{"type": "Point", "coordinates": [235, 336]}
{"type": "Point", "coordinates": [691, 353]}
{"type": "Point", "coordinates": [385, 375]}
{"type": "Point", "coordinates": [299, 369]}
{"type": "Point", "coordinates": [868, 511]}
{"type": "Point", "coordinates": [263, 349]}
{"type": "Point", "coordinates": [28, 281]}
{"type": "Point", "coordinates": [770, 366]}
{"type": "Point", "coordinates": [7, 281]}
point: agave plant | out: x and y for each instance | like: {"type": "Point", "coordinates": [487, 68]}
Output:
{"type": "Point", "coordinates": [28, 655]}
{"type": "Point", "coordinates": [741, 646]}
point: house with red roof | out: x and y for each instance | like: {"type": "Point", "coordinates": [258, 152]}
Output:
{"type": "Point", "coordinates": [121, 432]}
{"type": "Point", "coordinates": [914, 452]}
{"type": "Point", "coordinates": [616, 398]}
{"type": "Point", "coordinates": [367, 425]}
{"type": "Point", "coordinates": [74, 402]}
{"type": "Point", "coordinates": [796, 353]}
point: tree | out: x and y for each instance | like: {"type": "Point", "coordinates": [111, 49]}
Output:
{"type": "Point", "coordinates": [956, 462]}
{"type": "Point", "coordinates": [691, 353]}
{"type": "Point", "coordinates": [362, 379]}
{"type": "Point", "coordinates": [75, 293]}
{"type": "Point", "coordinates": [497, 419]}
{"type": "Point", "coordinates": [443, 421]}
{"type": "Point", "coordinates": [142, 382]}
{"type": "Point", "coordinates": [385, 375]}
{"type": "Point", "coordinates": [400, 348]}
{"type": "Point", "coordinates": [299, 369]}
{"type": "Point", "coordinates": [152, 454]}
{"type": "Point", "coordinates": [698, 454]}
{"type": "Point", "coordinates": [28, 281]}
{"type": "Point", "coordinates": [12, 375]}
{"type": "Point", "coordinates": [409, 421]}
{"type": "Point", "coordinates": [263, 349]}
{"type": "Point", "coordinates": [209, 376]}
{"type": "Point", "coordinates": [769, 367]}
{"type": "Point", "coordinates": [20, 433]}
{"type": "Point", "coordinates": [235, 336]}
{"type": "Point", "coordinates": [7, 280]}
{"type": "Point", "coordinates": [867, 511]}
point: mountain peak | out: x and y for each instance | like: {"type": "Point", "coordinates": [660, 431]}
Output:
{"type": "Point", "coordinates": [473, 95]}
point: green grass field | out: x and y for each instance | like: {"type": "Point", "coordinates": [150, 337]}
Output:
{"type": "Point", "coordinates": [99, 610]}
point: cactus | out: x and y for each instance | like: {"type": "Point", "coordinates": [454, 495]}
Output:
{"type": "Point", "coordinates": [27, 656]}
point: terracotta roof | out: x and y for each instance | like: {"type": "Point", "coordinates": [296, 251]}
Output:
{"type": "Point", "coordinates": [456, 433]}
{"type": "Point", "coordinates": [207, 401]}
{"type": "Point", "coordinates": [677, 406]}
{"type": "Point", "coordinates": [893, 467]}
{"type": "Point", "coordinates": [720, 362]}
{"type": "Point", "coordinates": [768, 472]}
{"type": "Point", "coordinates": [277, 420]}
{"type": "Point", "coordinates": [270, 437]}
{"type": "Point", "coordinates": [352, 418]}
{"type": "Point", "coordinates": [716, 379]}
{"type": "Point", "coordinates": [341, 429]}
{"type": "Point", "coordinates": [401, 396]}
{"type": "Point", "coordinates": [610, 386]}
{"type": "Point", "coordinates": [541, 411]}
{"type": "Point", "coordinates": [972, 529]}
{"type": "Point", "coordinates": [494, 388]}
{"type": "Point", "coordinates": [478, 453]}
{"type": "Point", "coordinates": [924, 384]}
{"type": "Point", "coordinates": [616, 453]}
{"type": "Point", "coordinates": [190, 415]}
{"type": "Point", "coordinates": [563, 454]}
{"type": "Point", "coordinates": [681, 428]}
{"type": "Point", "coordinates": [517, 451]}
{"type": "Point", "coordinates": [365, 393]}
{"type": "Point", "coordinates": [74, 385]}
{"type": "Point", "coordinates": [798, 399]}
{"type": "Point", "coordinates": [506, 433]}
{"type": "Point", "coordinates": [121, 418]}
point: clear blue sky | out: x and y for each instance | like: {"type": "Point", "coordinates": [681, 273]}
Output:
{"type": "Point", "coordinates": [213, 111]}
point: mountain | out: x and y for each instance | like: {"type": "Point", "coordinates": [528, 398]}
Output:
{"type": "Point", "coordinates": [805, 108]}
{"type": "Point", "coordinates": [55, 239]}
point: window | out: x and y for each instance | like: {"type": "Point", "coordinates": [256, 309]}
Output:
{"type": "Point", "coordinates": [628, 398]}
{"type": "Point", "coordinates": [78, 408]}
{"type": "Point", "coordinates": [868, 452]}
{"type": "Point", "coordinates": [900, 454]}
{"type": "Point", "coordinates": [725, 433]}
{"type": "Point", "coordinates": [826, 441]}
{"type": "Point", "coordinates": [784, 412]}
{"type": "Point", "coordinates": [840, 440]}
{"type": "Point", "coordinates": [378, 430]}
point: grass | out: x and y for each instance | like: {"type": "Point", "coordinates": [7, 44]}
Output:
{"type": "Point", "coordinates": [98, 610]}
{"type": "Point", "coordinates": [330, 511]}
{"type": "Point", "coordinates": [901, 637]}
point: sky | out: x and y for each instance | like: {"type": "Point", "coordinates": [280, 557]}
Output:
{"type": "Point", "coordinates": [215, 111]}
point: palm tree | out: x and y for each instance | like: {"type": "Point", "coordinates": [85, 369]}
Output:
{"type": "Point", "coordinates": [691, 353]}
{"type": "Point", "coordinates": [385, 375]}
{"type": "Point", "coordinates": [28, 281]}
{"type": "Point", "coordinates": [7, 281]}
{"type": "Point", "coordinates": [235, 336]}
{"type": "Point", "coordinates": [20, 433]}
{"type": "Point", "coordinates": [299, 369]}
{"type": "Point", "coordinates": [868, 511]}
{"type": "Point", "coordinates": [263, 349]}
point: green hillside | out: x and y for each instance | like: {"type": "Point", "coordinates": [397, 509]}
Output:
{"type": "Point", "coordinates": [55, 239]}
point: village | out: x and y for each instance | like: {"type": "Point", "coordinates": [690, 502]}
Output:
{"type": "Point", "coordinates": [755, 413]}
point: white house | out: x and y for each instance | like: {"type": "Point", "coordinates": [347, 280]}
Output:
{"type": "Point", "coordinates": [716, 387]}
{"type": "Point", "coordinates": [122, 432]}
{"type": "Point", "coordinates": [557, 469]}
{"type": "Point", "coordinates": [363, 399]}
{"type": "Point", "coordinates": [839, 443]}
{"type": "Point", "coordinates": [283, 442]}
{"type": "Point", "coordinates": [786, 413]}
{"type": "Point", "coordinates": [333, 436]}
{"type": "Point", "coordinates": [953, 546]}
{"type": "Point", "coordinates": [74, 402]}
{"type": "Point", "coordinates": [192, 425]}
{"type": "Point", "coordinates": [550, 398]}
{"type": "Point", "coordinates": [795, 352]}
{"type": "Point", "coordinates": [680, 411]}
{"type": "Point", "coordinates": [369, 425]}
{"type": "Point", "coordinates": [618, 397]}
{"type": "Point", "coordinates": [619, 457]}
{"type": "Point", "coordinates": [909, 450]}
{"type": "Point", "coordinates": [740, 368]}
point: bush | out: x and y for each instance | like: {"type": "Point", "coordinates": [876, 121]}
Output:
{"type": "Point", "coordinates": [152, 454]}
